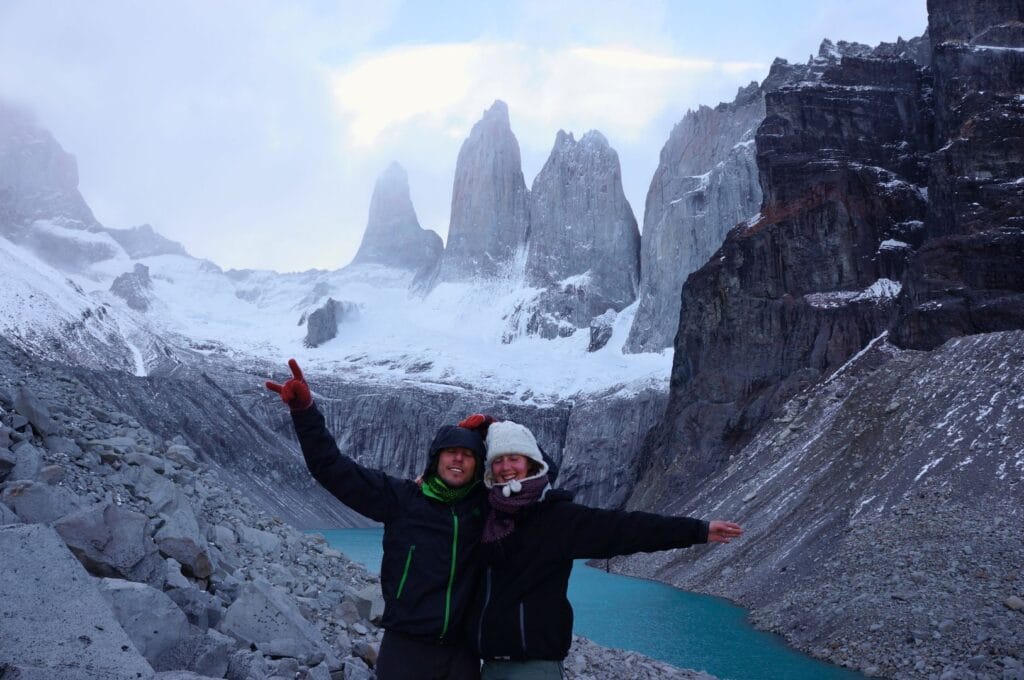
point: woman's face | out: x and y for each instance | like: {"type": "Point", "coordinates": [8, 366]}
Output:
{"type": "Point", "coordinates": [509, 467]}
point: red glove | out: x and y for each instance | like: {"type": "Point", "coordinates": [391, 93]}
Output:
{"type": "Point", "coordinates": [295, 392]}
{"type": "Point", "coordinates": [478, 422]}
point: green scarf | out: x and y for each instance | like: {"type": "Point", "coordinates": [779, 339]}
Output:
{"type": "Point", "coordinates": [434, 487]}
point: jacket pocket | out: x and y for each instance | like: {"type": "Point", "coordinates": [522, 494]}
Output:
{"type": "Point", "coordinates": [405, 572]}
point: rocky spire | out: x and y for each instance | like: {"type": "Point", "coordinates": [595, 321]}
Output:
{"type": "Point", "coordinates": [393, 235]}
{"type": "Point", "coordinates": [489, 217]}
{"type": "Point", "coordinates": [582, 228]}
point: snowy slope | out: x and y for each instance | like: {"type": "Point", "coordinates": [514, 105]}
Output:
{"type": "Point", "coordinates": [453, 336]}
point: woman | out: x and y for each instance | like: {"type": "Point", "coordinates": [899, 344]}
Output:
{"type": "Point", "coordinates": [521, 620]}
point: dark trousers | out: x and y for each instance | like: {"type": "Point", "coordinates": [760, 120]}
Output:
{"type": "Point", "coordinates": [405, 658]}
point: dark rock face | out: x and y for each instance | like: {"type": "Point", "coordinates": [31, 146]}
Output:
{"type": "Point", "coordinates": [968, 277]}
{"type": "Point", "coordinates": [38, 179]}
{"type": "Point", "coordinates": [40, 206]}
{"type": "Point", "coordinates": [490, 213]}
{"type": "Point", "coordinates": [707, 181]}
{"type": "Point", "coordinates": [393, 235]}
{"type": "Point", "coordinates": [793, 294]}
{"type": "Point", "coordinates": [583, 235]}
{"type": "Point", "coordinates": [132, 287]}
{"type": "Point", "coordinates": [322, 324]}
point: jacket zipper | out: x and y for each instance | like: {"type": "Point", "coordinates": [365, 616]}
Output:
{"type": "Point", "coordinates": [522, 626]}
{"type": "Point", "coordinates": [451, 573]}
{"type": "Point", "coordinates": [483, 613]}
{"type": "Point", "coordinates": [405, 572]}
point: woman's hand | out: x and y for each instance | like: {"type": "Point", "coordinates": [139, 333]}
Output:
{"type": "Point", "coordinates": [295, 392]}
{"type": "Point", "coordinates": [720, 531]}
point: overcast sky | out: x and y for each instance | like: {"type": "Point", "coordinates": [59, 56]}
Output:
{"type": "Point", "coordinates": [252, 131]}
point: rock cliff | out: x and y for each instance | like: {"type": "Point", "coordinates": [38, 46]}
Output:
{"type": "Point", "coordinates": [968, 277]}
{"type": "Point", "coordinates": [707, 181]}
{"type": "Point", "coordinates": [490, 211]}
{"type": "Point", "coordinates": [40, 205]}
{"type": "Point", "coordinates": [583, 244]}
{"type": "Point", "coordinates": [806, 284]}
{"type": "Point", "coordinates": [393, 235]}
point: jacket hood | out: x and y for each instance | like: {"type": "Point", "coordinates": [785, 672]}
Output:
{"type": "Point", "coordinates": [450, 436]}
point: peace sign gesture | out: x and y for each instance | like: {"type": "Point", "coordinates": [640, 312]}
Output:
{"type": "Point", "coordinates": [295, 392]}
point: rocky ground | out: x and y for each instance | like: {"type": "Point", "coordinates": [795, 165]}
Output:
{"type": "Point", "coordinates": [883, 512]}
{"type": "Point", "coordinates": [124, 556]}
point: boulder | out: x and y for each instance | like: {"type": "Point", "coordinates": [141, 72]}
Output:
{"type": "Point", "coordinates": [211, 654]}
{"type": "Point", "coordinates": [35, 502]}
{"type": "Point", "coordinates": [28, 405]}
{"type": "Point", "coordinates": [7, 515]}
{"type": "Point", "coordinates": [182, 455]}
{"type": "Point", "coordinates": [181, 538]}
{"type": "Point", "coordinates": [8, 461]}
{"type": "Point", "coordinates": [264, 541]}
{"type": "Point", "coordinates": [53, 621]}
{"type": "Point", "coordinates": [202, 609]}
{"type": "Point", "coordinates": [262, 614]}
{"type": "Point", "coordinates": [29, 462]}
{"type": "Point", "coordinates": [110, 540]}
{"type": "Point", "coordinates": [153, 622]}
{"type": "Point", "coordinates": [369, 603]}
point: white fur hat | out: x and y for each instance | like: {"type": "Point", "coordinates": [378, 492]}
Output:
{"type": "Point", "coordinates": [504, 438]}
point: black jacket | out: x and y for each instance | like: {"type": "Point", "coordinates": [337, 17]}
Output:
{"type": "Point", "coordinates": [431, 563]}
{"type": "Point", "coordinates": [521, 610]}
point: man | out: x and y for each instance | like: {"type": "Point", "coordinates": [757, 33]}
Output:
{"type": "Point", "coordinates": [431, 534]}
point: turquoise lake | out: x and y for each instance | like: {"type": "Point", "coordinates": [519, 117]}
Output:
{"type": "Point", "coordinates": [680, 628]}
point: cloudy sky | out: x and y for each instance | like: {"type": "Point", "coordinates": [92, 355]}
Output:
{"type": "Point", "coordinates": [253, 130]}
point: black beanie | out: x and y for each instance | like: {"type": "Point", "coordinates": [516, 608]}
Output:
{"type": "Point", "coordinates": [451, 436]}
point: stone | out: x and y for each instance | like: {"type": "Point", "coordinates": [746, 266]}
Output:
{"type": "Point", "coordinates": [202, 609]}
{"type": "Point", "coordinates": [601, 329]}
{"type": "Point", "coordinates": [1013, 602]}
{"type": "Point", "coordinates": [111, 540]}
{"type": "Point", "coordinates": [54, 618]}
{"type": "Point", "coordinates": [322, 324]}
{"type": "Point", "coordinates": [132, 287]}
{"type": "Point", "coordinates": [182, 455]}
{"type": "Point", "coordinates": [222, 536]}
{"type": "Point", "coordinates": [369, 603]}
{"type": "Point", "coordinates": [7, 515]}
{"type": "Point", "coordinates": [367, 651]}
{"type": "Point", "coordinates": [262, 613]}
{"type": "Point", "coordinates": [264, 541]}
{"type": "Point", "coordinates": [51, 474]}
{"type": "Point", "coordinates": [355, 669]}
{"type": "Point", "coordinates": [294, 648]}
{"type": "Point", "coordinates": [211, 654]}
{"type": "Point", "coordinates": [174, 577]}
{"type": "Point", "coordinates": [156, 626]}
{"type": "Point", "coordinates": [38, 503]}
{"type": "Point", "coordinates": [145, 460]}
{"type": "Point", "coordinates": [30, 406]}
{"type": "Point", "coordinates": [246, 665]}
{"type": "Point", "coordinates": [8, 461]}
{"type": "Point", "coordinates": [30, 462]}
{"type": "Point", "coordinates": [181, 538]}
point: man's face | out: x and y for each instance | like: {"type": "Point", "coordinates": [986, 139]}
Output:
{"type": "Point", "coordinates": [456, 466]}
